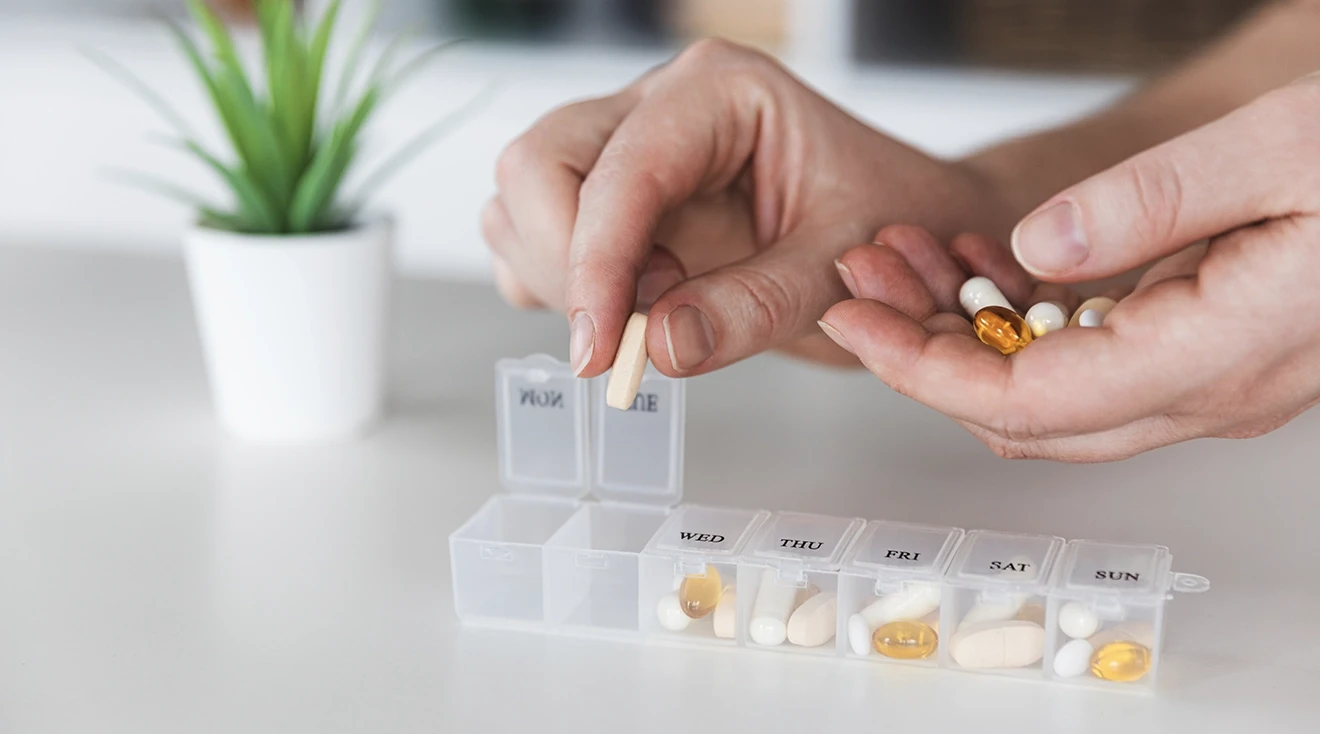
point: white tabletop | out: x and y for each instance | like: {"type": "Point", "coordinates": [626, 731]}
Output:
{"type": "Point", "coordinates": [156, 576]}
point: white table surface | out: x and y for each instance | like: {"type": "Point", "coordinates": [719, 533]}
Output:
{"type": "Point", "coordinates": [156, 576]}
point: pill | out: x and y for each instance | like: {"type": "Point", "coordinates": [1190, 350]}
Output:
{"type": "Point", "coordinates": [1002, 329]}
{"type": "Point", "coordinates": [914, 601]}
{"type": "Point", "coordinates": [1077, 620]}
{"type": "Point", "coordinates": [770, 612]}
{"type": "Point", "coordinates": [1122, 662]}
{"type": "Point", "coordinates": [859, 634]}
{"type": "Point", "coordinates": [1007, 644]}
{"type": "Point", "coordinates": [814, 622]}
{"type": "Point", "coordinates": [1045, 317]}
{"type": "Point", "coordinates": [993, 611]}
{"type": "Point", "coordinates": [905, 640]}
{"type": "Point", "coordinates": [1031, 613]}
{"type": "Point", "coordinates": [671, 613]}
{"type": "Point", "coordinates": [1142, 632]}
{"type": "Point", "coordinates": [1092, 312]}
{"type": "Point", "coordinates": [980, 292]}
{"type": "Point", "coordinates": [699, 594]}
{"type": "Point", "coordinates": [629, 365]}
{"type": "Point", "coordinates": [726, 614]}
{"type": "Point", "coordinates": [1073, 658]}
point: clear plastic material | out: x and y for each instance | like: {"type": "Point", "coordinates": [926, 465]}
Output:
{"type": "Point", "coordinates": [788, 583]}
{"type": "Point", "coordinates": [541, 417]}
{"type": "Point", "coordinates": [992, 616]}
{"type": "Point", "coordinates": [637, 455]}
{"type": "Point", "coordinates": [1106, 613]}
{"type": "Point", "coordinates": [890, 591]}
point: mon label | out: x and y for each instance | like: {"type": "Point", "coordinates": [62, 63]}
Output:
{"type": "Point", "coordinates": [533, 398]}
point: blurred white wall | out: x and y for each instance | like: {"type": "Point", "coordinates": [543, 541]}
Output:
{"type": "Point", "coordinates": [63, 123]}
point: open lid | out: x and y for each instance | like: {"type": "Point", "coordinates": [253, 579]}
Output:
{"type": "Point", "coordinates": [898, 549]}
{"type": "Point", "coordinates": [637, 454]}
{"type": "Point", "coordinates": [1092, 569]}
{"type": "Point", "coordinates": [541, 419]}
{"type": "Point", "coordinates": [1009, 560]}
{"type": "Point", "coordinates": [798, 540]}
{"type": "Point", "coordinates": [714, 532]}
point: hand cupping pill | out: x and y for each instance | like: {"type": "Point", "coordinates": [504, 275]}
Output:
{"type": "Point", "coordinates": [629, 365]}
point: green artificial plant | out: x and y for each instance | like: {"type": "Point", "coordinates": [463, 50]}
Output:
{"type": "Point", "coordinates": [292, 147]}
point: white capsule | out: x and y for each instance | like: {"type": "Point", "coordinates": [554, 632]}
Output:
{"type": "Point", "coordinates": [913, 602]}
{"type": "Point", "coordinates": [1077, 620]}
{"type": "Point", "coordinates": [1073, 658]}
{"type": "Point", "coordinates": [992, 611]}
{"type": "Point", "coordinates": [980, 292]}
{"type": "Point", "coordinates": [1092, 312]}
{"type": "Point", "coordinates": [773, 606]}
{"type": "Point", "coordinates": [1045, 317]}
{"type": "Point", "coordinates": [726, 614]}
{"type": "Point", "coordinates": [670, 612]}
{"type": "Point", "coordinates": [859, 635]}
{"type": "Point", "coordinates": [814, 622]}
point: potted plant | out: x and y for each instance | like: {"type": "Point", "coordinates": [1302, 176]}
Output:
{"type": "Point", "coordinates": [291, 279]}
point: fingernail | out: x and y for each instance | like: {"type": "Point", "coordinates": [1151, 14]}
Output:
{"type": "Point", "coordinates": [689, 337]}
{"type": "Point", "coordinates": [846, 276]}
{"type": "Point", "coordinates": [654, 283]}
{"type": "Point", "coordinates": [581, 341]}
{"type": "Point", "coordinates": [1051, 241]}
{"type": "Point", "coordinates": [834, 334]}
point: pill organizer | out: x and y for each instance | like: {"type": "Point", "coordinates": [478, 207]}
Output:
{"type": "Point", "coordinates": [590, 538]}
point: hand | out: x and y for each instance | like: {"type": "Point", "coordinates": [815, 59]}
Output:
{"type": "Point", "coordinates": [1219, 339]}
{"type": "Point", "coordinates": [718, 188]}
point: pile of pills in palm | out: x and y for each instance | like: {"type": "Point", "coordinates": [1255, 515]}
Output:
{"type": "Point", "coordinates": [999, 325]}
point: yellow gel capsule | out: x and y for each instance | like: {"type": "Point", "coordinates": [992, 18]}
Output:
{"type": "Point", "coordinates": [1123, 662]}
{"type": "Point", "coordinates": [905, 640]}
{"type": "Point", "coordinates": [699, 595]}
{"type": "Point", "coordinates": [1002, 329]}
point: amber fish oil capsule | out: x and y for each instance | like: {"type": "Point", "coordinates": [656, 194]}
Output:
{"type": "Point", "coordinates": [905, 640]}
{"type": "Point", "coordinates": [1002, 329]}
{"type": "Point", "coordinates": [1122, 662]}
{"type": "Point", "coordinates": [699, 594]}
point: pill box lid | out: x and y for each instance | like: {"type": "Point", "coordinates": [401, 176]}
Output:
{"type": "Point", "coordinates": [713, 532]}
{"type": "Point", "coordinates": [637, 454]}
{"type": "Point", "coordinates": [902, 550]}
{"type": "Point", "coordinates": [541, 425]}
{"type": "Point", "coordinates": [801, 540]}
{"type": "Point", "coordinates": [1115, 569]}
{"type": "Point", "coordinates": [1015, 561]}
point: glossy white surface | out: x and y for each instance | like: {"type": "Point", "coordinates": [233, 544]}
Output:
{"type": "Point", "coordinates": [156, 576]}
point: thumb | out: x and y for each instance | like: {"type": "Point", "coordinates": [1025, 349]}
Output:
{"type": "Point", "coordinates": [742, 309]}
{"type": "Point", "coordinates": [1209, 181]}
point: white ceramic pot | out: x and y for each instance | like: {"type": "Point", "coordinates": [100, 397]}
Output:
{"type": "Point", "coordinates": [293, 328]}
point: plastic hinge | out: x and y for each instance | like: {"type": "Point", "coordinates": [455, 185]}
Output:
{"type": "Point", "coordinates": [589, 559]}
{"type": "Point", "coordinates": [690, 567]}
{"type": "Point", "coordinates": [791, 575]}
{"type": "Point", "coordinates": [1189, 583]}
{"type": "Point", "coordinates": [1109, 609]}
{"type": "Point", "coordinates": [496, 553]}
{"type": "Point", "coordinates": [888, 586]}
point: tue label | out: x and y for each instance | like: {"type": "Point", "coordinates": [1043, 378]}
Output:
{"type": "Point", "coordinates": [645, 403]}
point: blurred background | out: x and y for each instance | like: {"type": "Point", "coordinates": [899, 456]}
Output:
{"type": "Point", "coordinates": [945, 75]}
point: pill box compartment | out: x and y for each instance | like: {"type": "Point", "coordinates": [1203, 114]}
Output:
{"type": "Point", "coordinates": [692, 556]}
{"type": "Point", "coordinates": [540, 555]}
{"type": "Point", "coordinates": [1105, 618]}
{"type": "Point", "coordinates": [788, 583]}
{"type": "Point", "coordinates": [993, 608]}
{"type": "Point", "coordinates": [892, 584]}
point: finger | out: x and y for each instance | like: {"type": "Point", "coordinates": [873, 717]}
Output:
{"type": "Point", "coordinates": [988, 257]}
{"type": "Point", "coordinates": [1181, 264]}
{"type": "Point", "coordinates": [663, 271]}
{"type": "Point", "coordinates": [1112, 445]}
{"type": "Point", "coordinates": [497, 230]}
{"type": "Point", "coordinates": [660, 155]}
{"type": "Point", "coordinates": [881, 273]}
{"type": "Point", "coordinates": [938, 270]}
{"type": "Point", "coordinates": [539, 175]}
{"type": "Point", "coordinates": [1208, 181]}
{"type": "Point", "coordinates": [510, 288]}
{"type": "Point", "coordinates": [1080, 381]}
{"type": "Point", "coordinates": [742, 309]}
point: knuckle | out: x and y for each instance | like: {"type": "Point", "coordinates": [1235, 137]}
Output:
{"type": "Point", "coordinates": [492, 225]}
{"type": "Point", "coordinates": [709, 52]}
{"type": "Point", "coordinates": [770, 303]}
{"type": "Point", "coordinates": [1008, 449]}
{"type": "Point", "coordinates": [517, 158]}
{"type": "Point", "coordinates": [1156, 190]}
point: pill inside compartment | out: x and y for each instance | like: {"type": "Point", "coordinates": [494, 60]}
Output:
{"type": "Point", "coordinates": [994, 612]}
{"type": "Point", "coordinates": [891, 589]}
{"type": "Point", "coordinates": [1106, 614]}
{"type": "Point", "coordinates": [688, 587]}
{"type": "Point", "coordinates": [788, 584]}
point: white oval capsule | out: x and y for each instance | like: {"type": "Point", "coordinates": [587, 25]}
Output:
{"type": "Point", "coordinates": [1092, 312]}
{"type": "Point", "coordinates": [992, 611]}
{"type": "Point", "coordinates": [1045, 317]}
{"type": "Point", "coordinates": [770, 612]}
{"type": "Point", "coordinates": [670, 612]}
{"type": "Point", "coordinates": [813, 623]}
{"type": "Point", "coordinates": [859, 634]}
{"type": "Point", "coordinates": [1077, 620]}
{"type": "Point", "coordinates": [980, 292]}
{"type": "Point", "coordinates": [1073, 658]}
{"type": "Point", "coordinates": [726, 614]}
{"type": "Point", "coordinates": [1007, 644]}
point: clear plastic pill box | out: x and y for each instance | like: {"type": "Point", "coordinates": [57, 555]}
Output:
{"type": "Point", "coordinates": [636, 564]}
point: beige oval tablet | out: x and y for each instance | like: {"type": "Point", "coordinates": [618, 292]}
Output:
{"type": "Point", "coordinates": [1006, 644]}
{"type": "Point", "coordinates": [726, 614]}
{"type": "Point", "coordinates": [814, 622]}
{"type": "Point", "coordinates": [629, 365]}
